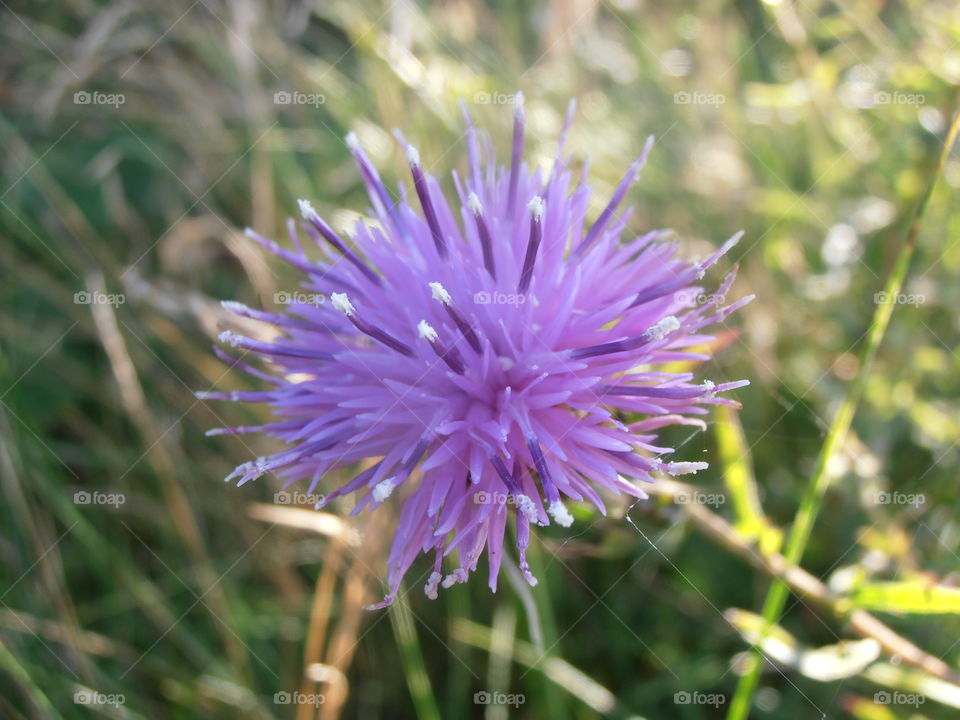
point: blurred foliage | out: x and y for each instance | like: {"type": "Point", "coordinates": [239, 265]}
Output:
{"type": "Point", "coordinates": [140, 138]}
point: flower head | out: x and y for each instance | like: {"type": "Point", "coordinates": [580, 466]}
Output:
{"type": "Point", "coordinates": [491, 361]}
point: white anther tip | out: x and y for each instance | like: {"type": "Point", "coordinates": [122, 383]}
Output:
{"type": "Point", "coordinates": [306, 209]}
{"type": "Point", "coordinates": [519, 101]}
{"type": "Point", "coordinates": [229, 338]}
{"type": "Point", "coordinates": [685, 468]}
{"type": "Point", "coordinates": [233, 306]}
{"type": "Point", "coordinates": [526, 506]}
{"type": "Point", "coordinates": [560, 514]}
{"type": "Point", "coordinates": [342, 303]}
{"type": "Point", "coordinates": [474, 204]}
{"type": "Point", "coordinates": [734, 239]}
{"type": "Point", "coordinates": [413, 155]}
{"type": "Point", "coordinates": [536, 207]}
{"type": "Point", "coordinates": [663, 327]}
{"type": "Point", "coordinates": [432, 583]}
{"type": "Point", "coordinates": [383, 489]}
{"type": "Point", "coordinates": [426, 332]}
{"type": "Point", "coordinates": [439, 293]}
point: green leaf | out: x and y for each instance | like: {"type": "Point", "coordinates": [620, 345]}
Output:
{"type": "Point", "coordinates": [908, 597]}
{"type": "Point", "coordinates": [741, 484]}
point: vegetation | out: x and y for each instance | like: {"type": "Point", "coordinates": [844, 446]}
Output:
{"type": "Point", "coordinates": [141, 138]}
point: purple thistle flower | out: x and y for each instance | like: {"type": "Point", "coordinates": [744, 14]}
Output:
{"type": "Point", "coordinates": [482, 358]}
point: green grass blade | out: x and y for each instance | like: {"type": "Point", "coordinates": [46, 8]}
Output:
{"type": "Point", "coordinates": [10, 664]}
{"type": "Point", "coordinates": [401, 619]}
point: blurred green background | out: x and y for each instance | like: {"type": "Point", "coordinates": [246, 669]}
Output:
{"type": "Point", "coordinates": [139, 139]}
